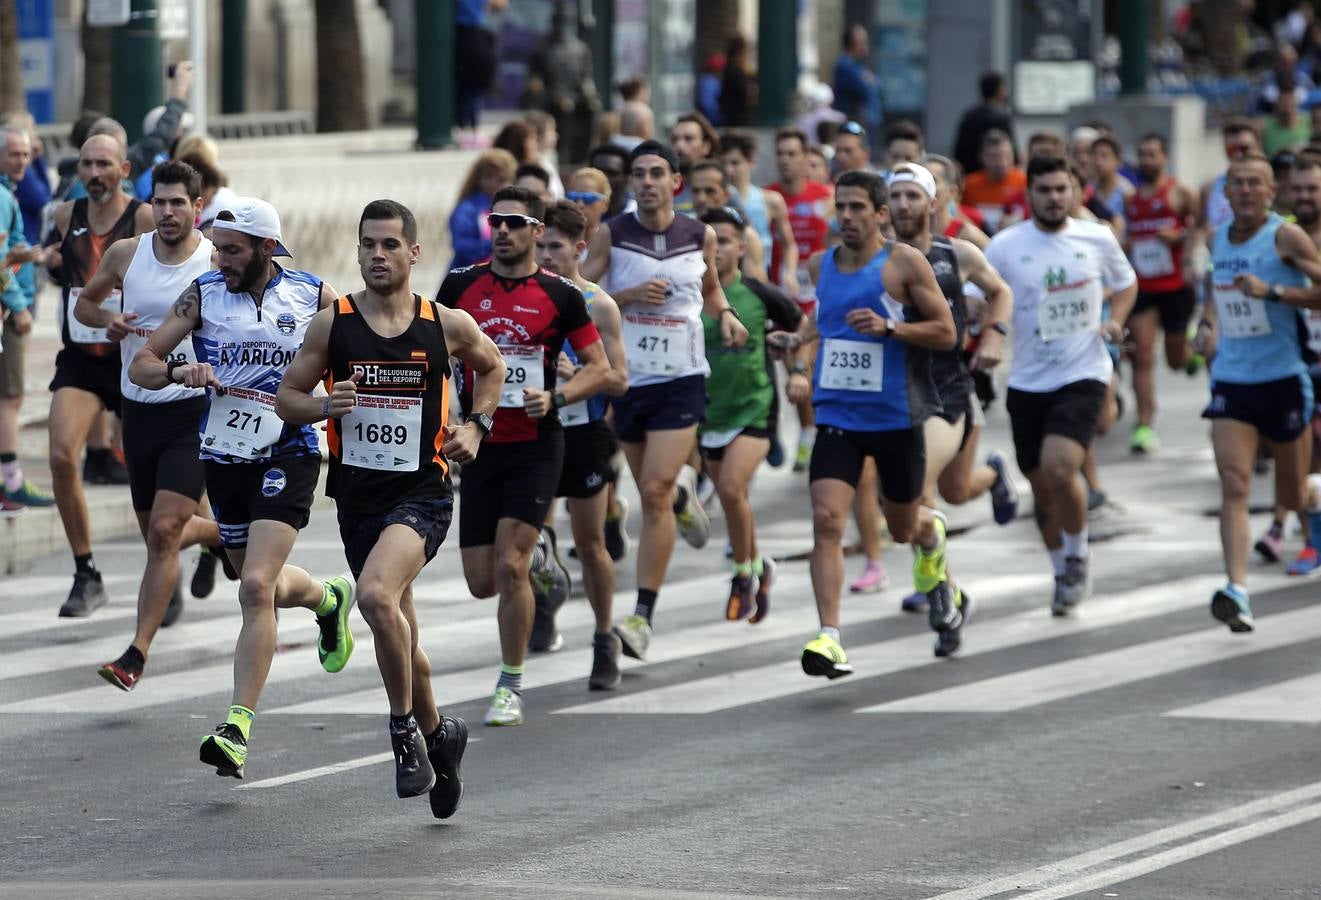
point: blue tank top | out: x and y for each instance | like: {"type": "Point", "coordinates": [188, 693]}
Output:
{"type": "Point", "coordinates": [595, 405]}
{"type": "Point", "coordinates": [1258, 341]}
{"type": "Point", "coordinates": [861, 382]}
{"type": "Point", "coordinates": [754, 205]}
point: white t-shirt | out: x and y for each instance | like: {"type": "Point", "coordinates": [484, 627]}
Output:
{"type": "Point", "coordinates": [1057, 280]}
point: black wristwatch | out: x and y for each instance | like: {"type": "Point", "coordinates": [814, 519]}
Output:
{"type": "Point", "coordinates": [170, 366]}
{"type": "Point", "coordinates": [732, 311]}
{"type": "Point", "coordinates": [1274, 293]}
{"type": "Point", "coordinates": [799, 368]}
{"type": "Point", "coordinates": [483, 422]}
{"type": "Point", "coordinates": [557, 400]}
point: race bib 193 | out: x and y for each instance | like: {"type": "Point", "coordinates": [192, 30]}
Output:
{"type": "Point", "coordinates": [85, 334]}
{"type": "Point", "coordinates": [382, 433]}
{"type": "Point", "coordinates": [851, 365]}
{"type": "Point", "coordinates": [1240, 316]}
{"type": "Point", "coordinates": [242, 422]}
{"type": "Point", "coordinates": [523, 371]}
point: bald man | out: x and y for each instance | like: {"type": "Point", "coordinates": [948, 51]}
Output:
{"type": "Point", "coordinates": [87, 367]}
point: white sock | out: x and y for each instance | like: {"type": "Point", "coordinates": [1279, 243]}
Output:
{"type": "Point", "coordinates": [828, 631]}
{"type": "Point", "coordinates": [807, 437]}
{"type": "Point", "coordinates": [1075, 544]}
{"type": "Point", "coordinates": [1057, 559]}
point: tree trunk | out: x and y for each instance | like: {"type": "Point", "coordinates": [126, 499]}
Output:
{"type": "Point", "coordinates": [11, 78]}
{"type": "Point", "coordinates": [1222, 22]}
{"type": "Point", "coordinates": [340, 83]}
{"type": "Point", "coordinates": [96, 67]}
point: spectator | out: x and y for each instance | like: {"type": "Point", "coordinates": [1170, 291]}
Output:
{"type": "Point", "coordinates": [903, 142]}
{"type": "Point", "coordinates": [535, 179]}
{"type": "Point", "coordinates": [474, 65]}
{"type": "Point", "coordinates": [706, 93]}
{"type": "Point", "coordinates": [991, 113]}
{"type": "Point", "coordinates": [818, 112]}
{"type": "Point", "coordinates": [1283, 73]}
{"type": "Point", "coordinates": [142, 185]}
{"type": "Point", "coordinates": [1111, 188]}
{"type": "Point", "coordinates": [33, 190]}
{"type": "Point", "coordinates": [198, 146]}
{"type": "Point", "coordinates": [856, 93]}
{"type": "Point", "coordinates": [635, 90]}
{"type": "Point", "coordinates": [161, 137]}
{"type": "Point", "coordinates": [17, 291]}
{"type": "Point", "coordinates": [470, 235]}
{"type": "Point", "coordinates": [738, 91]}
{"type": "Point", "coordinates": [989, 188]}
{"type": "Point", "coordinates": [637, 123]}
{"type": "Point", "coordinates": [590, 189]}
{"type": "Point", "coordinates": [519, 140]}
{"type": "Point", "coordinates": [612, 161]}
{"type": "Point", "coordinates": [548, 138]}
{"type": "Point", "coordinates": [852, 149]}
{"type": "Point", "coordinates": [1286, 129]}
{"type": "Point", "coordinates": [693, 140]}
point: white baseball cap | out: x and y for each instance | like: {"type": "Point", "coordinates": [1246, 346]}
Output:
{"type": "Point", "coordinates": [915, 174]}
{"type": "Point", "coordinates": [255, 217]}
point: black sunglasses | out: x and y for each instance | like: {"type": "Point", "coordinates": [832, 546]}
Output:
{"type": "Point", "coordinates": [853, 128]}
{"type": "Point", "coordinates": [512, 221]}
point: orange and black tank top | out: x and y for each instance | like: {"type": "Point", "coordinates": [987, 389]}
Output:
{"type": "Point", "coordinates": [81, 251]}
{"type": "Point", "coordinates": [388, 450]}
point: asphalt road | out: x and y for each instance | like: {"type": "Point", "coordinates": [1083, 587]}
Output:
{"type": "Point", "coordinates": [1137, 750]}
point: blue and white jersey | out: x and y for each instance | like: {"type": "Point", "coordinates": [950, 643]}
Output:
{"type": "Point", "coordinates": [1259, 341]}
{"type": "Point", "coordinates": [593, 408]}
{"type": "Point", "coordinates": [250, 345]}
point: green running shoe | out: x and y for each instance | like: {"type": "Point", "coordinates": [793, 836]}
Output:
{"type": "Point", "coordinates": [226, 749]}
{"type": "Point", "coordinates": [1144, 440]}
{"type": "Point", "coordinates": [802, 458]}
{"type": "Point", "coordinates": [929, 565]}
{"type": "Point", "coordinates": [506, 708]}
{"type": "Point", "coordinates": [31, 495]}
{"type": "Point", "coordinates": [824, 655]}
{"type": "Point", "coordinates": [335, 645]}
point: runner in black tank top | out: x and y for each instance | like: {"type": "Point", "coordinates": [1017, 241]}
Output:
{"type": "Point", "coordinates": [391, 454]}
{"type": "Point", "coordinates": [87, 368]}
{"type": "Point", "coordinates": [387, 353]}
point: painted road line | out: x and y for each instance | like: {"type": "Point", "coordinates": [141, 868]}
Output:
{"type": "Point", "coordinates": [1101, 671]}
{"type": "Point", "coordinates": [1295, 700]}
{"type": "Point", "coordinates": [347, 765]}
{"type": "Point", "coordinates": [761, 683]}
{"type": "Point", "coordinates": [1041, 877]}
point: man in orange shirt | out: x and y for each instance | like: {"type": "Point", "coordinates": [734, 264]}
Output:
{"type": "Point", "coordinates": [989, 189]}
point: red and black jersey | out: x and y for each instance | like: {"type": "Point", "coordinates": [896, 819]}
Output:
{"type": "Point", "coordinates": [529, 319]}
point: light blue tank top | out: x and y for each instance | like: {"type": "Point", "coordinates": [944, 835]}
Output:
{"type": "Point", "coordinates": [595, 404]}
{"type": "Point", "coordinates": [754, 205]}
{"type": "Point", "coordinates": [1258, 341]}
{"type": "Point", "coordinates": [862, 382]}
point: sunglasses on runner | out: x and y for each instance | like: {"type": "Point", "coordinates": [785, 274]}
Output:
{"type": "Point", "coordinates": [585, 197]}
{"type": "Point", "coordinates": [512, 221]}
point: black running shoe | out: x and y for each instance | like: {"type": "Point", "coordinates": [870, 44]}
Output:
{"type": "Point", "coordinates": [445, 753]}
{"type": "Point", "coordinates": [413, 775]}
{"type": "Point", "coordinates": [943, 610]}
{"type": "Point", "coordinates": [204, 576]}
{"type": "Point", "coordinates": [950, 641]}
{"type": "Point", "coordinates": [605, 662]}
{"type": "Point", "coordinates": [227, 749]}
{"type": "Point", "coordinates": [85, 597]}
{"type": "Point", "coordinates": [175, 609]}
{"type": "Point", "coordinates": [616, 535]}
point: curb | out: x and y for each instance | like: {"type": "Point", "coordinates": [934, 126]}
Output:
{"type": "Point", "coordinates": [39, 533]}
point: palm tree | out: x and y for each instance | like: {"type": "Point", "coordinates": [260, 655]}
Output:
{"type": "Point", "coordinates": [340, 84]}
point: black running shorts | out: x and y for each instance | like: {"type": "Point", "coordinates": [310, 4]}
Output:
{"type": "Point", "coordinates": [900, 456]}
{"type": "Point", "coordinates": [430, 518]}
{"type": "Point", "coordinates": [1071, 411]}
{"type": "Point", "coordinates": [278, 490]}
{"type": "Point", "coordinates": [1279, 410]}
{"type": "Point", "coordinates": [97, 375]}
{"type": "Point", "coordinates": [509, 481]}
{"type": "Point", "coordinates": [1175, 308]}
{"type": "Point", "coordinates": [588, 450]}
{"type": "Point", "coordinates": [160, 448]}
{"type": "Point", "coordinates": [667, 406]}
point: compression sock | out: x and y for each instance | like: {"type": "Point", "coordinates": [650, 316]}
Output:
{"type": "Point", "coordinates": [1056, 559]}
{"type": "Point", "coordinates": [241, 718]}
{"type": "Point", "coordinates": [85, 563]}
{"type": "Point", "coordinates": [646, 604]}
{"type": "Point", "coordinates": [758, 566]}
{"type": "Point", "coordinates": [1075, 544]}
{"type": "Point", "coordinates": [743, 568]}
{"type": "Point", "coordinates": [511, 677]}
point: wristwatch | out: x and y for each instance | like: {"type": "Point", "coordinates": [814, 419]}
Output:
{"type": "Point", "coordinates": [732, 311]}
{"type": "Point", "coordinates": [170, 366]}
{"type": "Point", "coordinates": [889, 327]}
{"type": "Point", "coordinates": [557, 400]}
{"type": "Point", "coordinates": [1274, 293]}
{"type": "Point", "coordinates": [483, 422]}
{"type": "Point", "coordinates": [799, 368]}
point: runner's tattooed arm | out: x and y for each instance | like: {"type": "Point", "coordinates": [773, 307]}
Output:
{"type": "Point", "coordinates": [148, 369]}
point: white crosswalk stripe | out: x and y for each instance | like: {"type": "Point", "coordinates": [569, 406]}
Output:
{"type": "Point", "coordinates": [1293, 700]}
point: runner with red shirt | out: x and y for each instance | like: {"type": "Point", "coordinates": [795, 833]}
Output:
{"type": "Point", "coordinates": [809, 207]}
{"type": "Point", "coordinates": [505, 493]}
